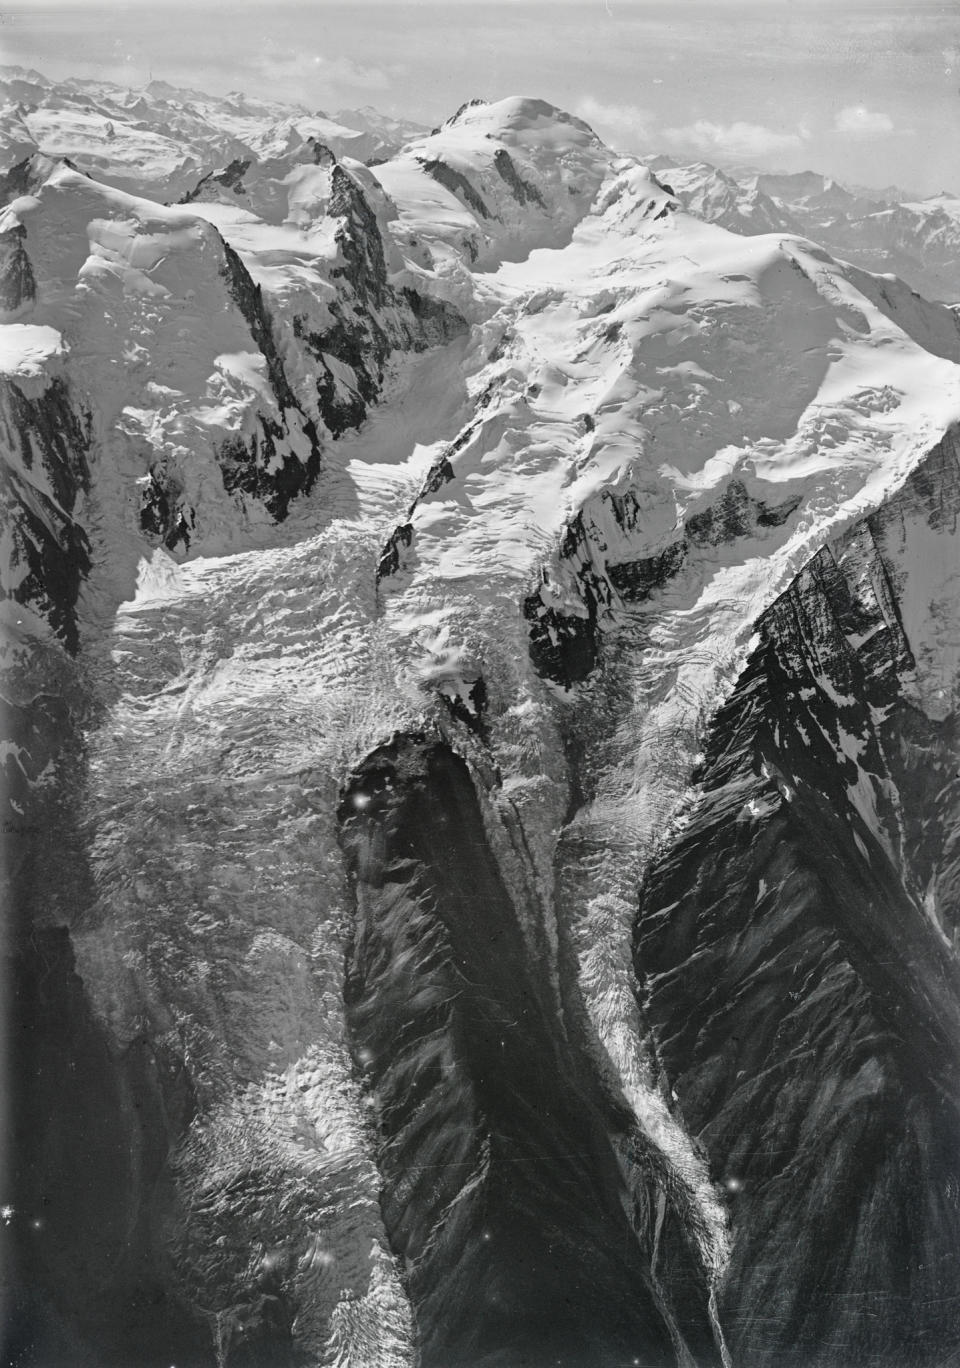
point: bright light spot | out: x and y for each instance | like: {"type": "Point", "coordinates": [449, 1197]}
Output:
{"type": "Point", "coordinates": [487, 1235]}
{"type": "Point", "coordinates": [361, 800]}
{"type": "Point", "coordinates": [36, 1224]}
{"type": "Point", "coordinates": [733, 1185]}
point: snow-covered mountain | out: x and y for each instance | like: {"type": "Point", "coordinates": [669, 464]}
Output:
{"type": "Point", "coordinates": [481, 673]}
{"type": "Point", "coordinates": [158, 140]}
{"type": "Point", "coordinates": [916, 239]}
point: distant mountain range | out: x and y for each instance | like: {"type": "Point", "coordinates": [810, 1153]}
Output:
{"type": "Point", "coordinates": [918, 240]}
{"type": "Point", "coordinates": [160, 140]}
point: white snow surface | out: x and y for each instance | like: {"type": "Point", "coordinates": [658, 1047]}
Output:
{"type": "Point", "coordinates": [30, 352]}
{"type": "Point", "coordinates": [621, 349]}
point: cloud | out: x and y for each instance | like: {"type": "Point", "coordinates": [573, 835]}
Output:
{"type": "Point", "coordinates": [300, 68]}
{"type": "Point", "coordinates": [621, 120]}
{"type": "Point", "coordinates": [862, 122]}
{"type": "Point", "coordinates": [740, 139]}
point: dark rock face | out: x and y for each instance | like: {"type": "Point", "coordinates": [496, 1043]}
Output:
{"type": "Point", "coordinates": [565, 647]}
{"type": "Point", "coordinates": [436, 321]}
{"type": "Point", "coordinates": [18, 287]}
{"type": "Point", "coordinates": [249, 466]}
{"type": "Point", "coordinates": [524, 192]}
{"type": "Point", "coordinates": [16, 181]}
{"type": "Point", "coordinates": [456, 183]}
{"type": "Point", "coordinates": [51, 552]}
{"type": "Point", "coordinates": [370, 319]}
{"type": "Point", "coordinates": [475, 103]}
{"type": "Point", "coordinates": [363, 345]}
{"type": "Point", "coordinates": [359, 240]}
{"type": "Point", "coordinates": [736, 514]}
{"type": "Point", "coordinates": [501, 1193]}
{"type": "Point", "coordinates": [636, 580]}
{"type": "Point", "coordinates": [163, 514]}
{"type": "Point", "coordinates": [245, 466]}
{"type": "Point", "coordinates": [796, 964]}
{"type": "Point", "coordinates": [391, 557]}
{"type": "Point", "coordinates": [231, 178]}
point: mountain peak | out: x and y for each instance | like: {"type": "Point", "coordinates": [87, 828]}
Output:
{"type": "Point", "coordinates": [517, 114]}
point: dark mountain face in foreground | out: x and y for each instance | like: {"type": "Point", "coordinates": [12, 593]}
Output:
{"type": "Point", "coordinates": [501, 1190]}
{"type": "Point", "coordinates": [796, 955]}
{"type": "Point", "coordinates": [481, 758]}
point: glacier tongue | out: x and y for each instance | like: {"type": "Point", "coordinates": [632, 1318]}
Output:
{"type": "Point", "coordinates": [356, 566]}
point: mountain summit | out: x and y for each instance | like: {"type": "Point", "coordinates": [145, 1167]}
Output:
{"type": "Point", "coordinates": [481, 674]}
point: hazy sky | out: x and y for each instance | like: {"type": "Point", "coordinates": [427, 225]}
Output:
{"type": "Point", "coordinates": [867, 90]}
